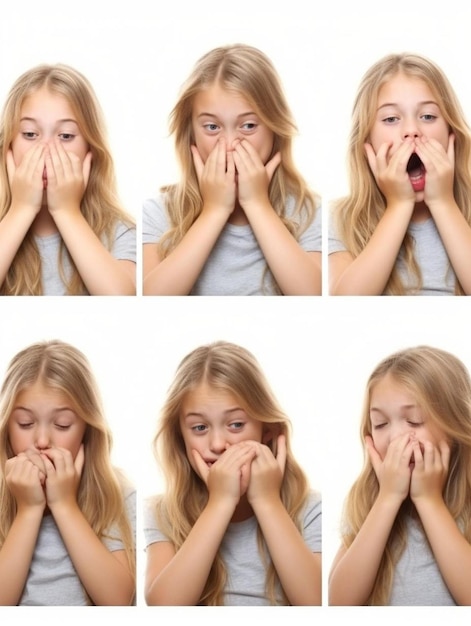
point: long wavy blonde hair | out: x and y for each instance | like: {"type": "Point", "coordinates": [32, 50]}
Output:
{"type": "Point", "coordinates": [247, 72]}
{"type": "Point", "coordinates": [62, 367]}
{"type": "Point", "coordinates": [231, 368]}
{"type": "Point", "coordinates": [442, 387]}
{"type": "Point", "coordinates": [358, 214]}
{"type": "Point", "coordinates": [100, 204]}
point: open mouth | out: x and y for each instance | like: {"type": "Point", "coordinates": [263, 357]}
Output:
{"type": "Point", "coordinates": [416, 171]}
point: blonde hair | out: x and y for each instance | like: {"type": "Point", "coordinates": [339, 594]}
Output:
{"type": "Point", "coordinates": [232, 368]}
{"type": "Point", "coordinates": [100, 205]}
{"type": "Point", "coordinates": [358, 214]}
{"type": "Point", "coordinates": [62, 367]}
{"type": "Point", "coordinates": [245, 71]}
{"type": "Point", "coordinates": [442, 387]}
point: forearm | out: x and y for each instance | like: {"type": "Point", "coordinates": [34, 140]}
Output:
{"type": "Point", "coordinates": [182, 580]}
{"type": "Point", "coordinates": [451, 550]}
{"type": "Point", "coordinates": [353, 575]}
{"type": "Point", "coordinates": [16, 555]}
{"type": "Point", "coordinates": [13, 229]}
{"type": "Point", "coordinates": [369, 272]}
{"type": "Point", "coordinates": [296, 271]}
{"type": "Point", "coordinates": [298, 569]}
{"type": "Point", "coordinates": [455, 233]}
{"type": "Point", "coordinates": [107, 579]}
{"type": "Point", "coordinates": [99, 270]}
{"type": "Point", "coordinates": [178, 272]}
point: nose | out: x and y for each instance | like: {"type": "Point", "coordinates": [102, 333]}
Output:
{"type": "Point", "coordinates": [231, 136]}
{"type": "Point", "coordinates": [410, 129]}
{"type": "Point", "coordinates": [42, 438]}
{"type": "Point", "coordinates": [399, 429]}
{"type": "Point", "coordinates": [217, 442]}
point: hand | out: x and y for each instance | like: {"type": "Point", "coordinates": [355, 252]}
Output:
{"type": "Point", "coordinates": [63, 474]}
{"type": "Point", "coordinates": [439, 170]}
{"type": "Point", "coordinates": [267, 473]}
{"type": "Point", "coordinates": [25, 478]}
{"type": "Point", "coordinates": [390, 171]}
{"type": "Point", "coordinates": [26, 179]}
{"type": "Point", "coordinates": [229, 476]}
{"type": "Point", "coordinates": [253, 176]}
{"type": "Point", "coordinates": [67, 178]}
{"type": "Point", "coordinates": [393, 472]}
{"type": "Point", "coordinates": [216, 178]}
{"type": "Point", "coordinates": [430, 470]}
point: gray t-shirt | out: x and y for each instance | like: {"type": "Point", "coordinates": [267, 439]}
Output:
{"type": "Point", "coordinates": [124, 248]}
{"type": "Point", "coordinates": [438, 276]}
{"type": "Point", "coordinates": [236, 263]}
{"type": "Point", "coordinates": [246, 571]}
{"type": "Point", "coordinates": [52, 579]}
{"type": "Point", "coordinates": [417, 580]}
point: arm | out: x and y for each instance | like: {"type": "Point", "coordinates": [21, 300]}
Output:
{"type": "Point", "coordinates": [355, 568]}
{"type": "Point", "coordinates": [178, 578]}
{"type": "Point", "coordinates": [451, 550]}
{"type": "Point", "coordinates": [99, 270]}
{"type": "Point", "coordinates": [178, 272]}
{"type": "Point", "coordinates": [455, 232]}
{"type": "Point", "coordinates": [23, 478]}
{"type": "Point", "coordinates": [298, 569]}
{"type": "Point", "coordinates": [296, 271]}
{"type": "Point", "coordinates": [104, 574]}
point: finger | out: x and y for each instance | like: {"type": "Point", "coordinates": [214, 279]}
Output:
{"type": "Point", "coordinates": [86, 167]}
{"type": "Point", "coordinates": [11, 167]}
{"type": "Point", "coordinates": [451, 148]}
{"type": "Point", "coordinates": [79, 460]}
{"type": "Point", "coordinates": [272, 165]}
{"type": "Point", "coordinates": [373, 454]}
{"type": "Point", "coordinates": [281, 453]}
{"type": "Point", "coordinates": [371, 158]}
{"type": "Point", "coordinates": [230, 168]}
{"type": "Point", "coordinates": [197, 162]}
{"type": "Point", "coordinates": [202, 468]}
{"type": "Point", "coordinates": [444, 450]}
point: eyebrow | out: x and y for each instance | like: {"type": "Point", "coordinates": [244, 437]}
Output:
{"type": "Point", "coordinates": [395, 104]}
{"type": "Point", "coordinates": [403, 407]}
{"type": "Point", "coordinates": [227, 412]}
{"type": "Point", "coordinates": [60, 409]}
{"type": "Point", "coordinates": [33, 119]}
{"type": "Point", "coordinates": [206, 114]}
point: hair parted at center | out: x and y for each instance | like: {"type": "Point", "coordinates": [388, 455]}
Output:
{"type": "Point", "coordinates": [100, 205]}
{"type": "Point", "coordinates": [357, 215]}
{"type": "Point", "coordinates": [226, 366]}
{"type": "Point", "coordinates": [248, 73]}
{"type": "Point", "coordinates": [441, 385]}
{"type": "Point", "coordinates": [62, 367]}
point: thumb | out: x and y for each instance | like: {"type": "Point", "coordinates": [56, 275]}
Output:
{"type": "Point", "coordinates": [272, 164]}
{"type": "Point", "coordinates": [375, 458]}
{"type": "Point", "coordinates": [80, 460]}
{"type": "Point", "coordinates": [86, 167]}
{"type": "Point", "coordinates": [11, 167]}
{"type": "Point", "coordinates": [202, 468]}
{"type": "Point", "coordinates": [198, 162]}
{"type": "Point", "coordinates": [281, 453]}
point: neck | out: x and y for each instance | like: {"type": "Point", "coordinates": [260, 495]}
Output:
{"type": "Point", "coordinates": [44, 224]}
{"type": "Point", "coordinates": [243, 510]}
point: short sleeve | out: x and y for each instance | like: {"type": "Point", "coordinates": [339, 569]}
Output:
{"type": "Point", "coordinates": [112, 542]}
{"type": "Point", "coordinates": [312, 526]}
{"type": "Point", "coordinates": [124, 245]}
{"type": "Point", "coordinates": [154, 220]}
{"type": "Point", "coordinates": [152, 534]}
{"type": "Point", "coordinates": [335, 243]}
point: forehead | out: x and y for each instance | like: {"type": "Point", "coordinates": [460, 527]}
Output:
{"type": "Point", "coordinates": [388, 390]}
{"type": "Point", "coordinates": [205, 397]}
{"type": "Point", "coordinates": [216, 99]}
{"type": "Point", "coordinates": [45, 103]}
{"type": "Point", "coordinates": [38, 394]}
{"type": "Point", "coordinates": [403, 88]}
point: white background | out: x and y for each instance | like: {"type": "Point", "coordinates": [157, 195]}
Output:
{"type": "Point", "coordinates": [317, 353]}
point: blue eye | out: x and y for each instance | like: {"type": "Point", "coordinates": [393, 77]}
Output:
{"type": "Point", "coordinates": [199, 428]}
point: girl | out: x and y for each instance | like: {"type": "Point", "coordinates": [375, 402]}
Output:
{"type": "Point", "coordinates": [405, 228]}
{"type": "Point", "coordinates": [62, 230]}
{"type": "Point", "coordinates": [240, 221]}
{"type": "Point", "coordinates": [66, 515]}
{"type": "Point", "coordinates": [237, 524]}
{"type": "Point", "coordinates": [408, 516]}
